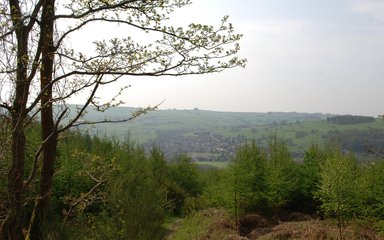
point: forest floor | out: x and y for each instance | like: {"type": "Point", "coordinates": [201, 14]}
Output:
{"type": "Point", "coordinates": [214, 224]}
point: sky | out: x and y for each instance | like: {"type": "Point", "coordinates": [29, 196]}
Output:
{"type": "Point", "coordinates": [303, 56]}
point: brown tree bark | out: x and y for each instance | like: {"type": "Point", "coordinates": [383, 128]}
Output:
{"type": "Point", "coordinates": [11, 228]}
{"type": "Point", "coordinates": [12, 225]}
{"type": "Point", "coordinates": [49, 133]}
{"type": "Point", "coordinates": [35, 53]}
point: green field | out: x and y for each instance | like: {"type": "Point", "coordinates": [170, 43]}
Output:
{"type": "Point", "coordinates": [213, 164]}
{"type": "Point", "coordinates": [146, 126]}
{"type": "Point", "coordinates": [300, 135]}
{"type": "Point", "coordinates": [200, 133]}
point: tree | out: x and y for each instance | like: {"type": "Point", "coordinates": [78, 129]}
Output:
{"type": "Point", "coordinates": [308, 180]}
{"type": "Point", "coordinates": [338, 189]}
{"type": "Point", "coordinates": [281, 178]}
{"type": "Point", "coordinates": [134, 209]}
{"type": "Point", "coordinates": [185, 183]}
{"type": "Point", "coordinates": [371, 194]}
{"type": "Point", "coordinates": [250, 179]}
{"type": "Point", "coordinates": [39, 71]}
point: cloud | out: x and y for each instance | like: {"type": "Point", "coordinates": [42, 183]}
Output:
{"type": "Point", "coordinates": [372, 8]}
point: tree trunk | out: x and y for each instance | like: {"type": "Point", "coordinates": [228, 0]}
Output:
{"type": "Point", "coordinates": [12, 227]}
{"type": "Point", "coordinates": [48, 134]}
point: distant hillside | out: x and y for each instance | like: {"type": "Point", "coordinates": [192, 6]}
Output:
{"type": "Point", "coordinates": [146, 127]}
{"type": "Point", "coordinates": [210, 135]}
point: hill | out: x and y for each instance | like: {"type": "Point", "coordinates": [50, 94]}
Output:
{"type": "Point", "coordinates": [211, 136]}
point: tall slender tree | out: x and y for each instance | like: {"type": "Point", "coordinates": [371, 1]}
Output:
{"type": "Point", "coordinates": [338, 189]}
{"type": "Point", "coordinates": [38, 71]}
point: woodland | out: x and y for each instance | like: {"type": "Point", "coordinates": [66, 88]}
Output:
{"type": "Point", "coordinates": [41, 68]}
{"type": "Point", "coordinates": [58, 183]}
{"type": "Point", "coordinates": [109, 189]}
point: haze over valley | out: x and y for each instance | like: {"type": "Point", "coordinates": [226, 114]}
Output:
{"type": "Point", "coordinates": [191, 119]}
{"type": "Point", "coordinates": [214, 136]}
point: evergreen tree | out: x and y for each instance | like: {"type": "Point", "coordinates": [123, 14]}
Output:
{"type": "Point", "coordinates": [371, 196]}
{"type": "Point", "coordinates": [308, 180]}
{"type": "Point", "coordinates": [41, 69]}
{"type": "Point", "coordinates": [338, 189]}
{"type": "Point", "coordinates": [185, 184]}
{"type": "Point", "coordinates": [134, 207]}
{"type": "Point", "coordinates": [250, 178]}
{"type": "Point", "coordinates": [281, 175]}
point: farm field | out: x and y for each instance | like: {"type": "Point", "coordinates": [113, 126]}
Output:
{"type": "Point", "coordinates": [214, 136]}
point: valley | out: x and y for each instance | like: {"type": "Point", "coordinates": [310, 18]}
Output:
{"type": "Point", "coordinates": [215, 136]}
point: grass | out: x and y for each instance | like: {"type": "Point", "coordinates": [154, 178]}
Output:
{"type": "Point", "coordinates": [300, 135]}
{"type": "Point", "coordinates": [211, 224]}
{"type": "Point", "coordinates": [197, 120]}
{"type": "Point", "coordinates": [214, 164]}
{"type": "Point", "coordinates": [217, 225]}
{"type": "Point", "coordinates": [299, 130]}
{"type": "Point", "coordinates": [317, 230]}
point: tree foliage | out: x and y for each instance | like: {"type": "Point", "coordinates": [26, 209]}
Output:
{"type": "Point", "coordinates": [40, 69]}
{"type": "Point", "coordinates": [133, 208]}
{"type": "Point", "coordinates": [185, 185]}
{"type": "Point", "coordinates": [281, 174]}
{"type": "Point", "coordinates": [103, 188]}
{"type": "Point", "coordinates": [338, 189]}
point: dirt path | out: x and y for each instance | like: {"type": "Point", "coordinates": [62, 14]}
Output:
{"type": "Point", "coordinates": [174, 227]}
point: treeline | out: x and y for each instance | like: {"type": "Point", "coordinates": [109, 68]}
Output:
{"type": "Point", "coordinates": [360, 141]}
{"type": "Point", "coordinates": [106, 189]}
{"type": "Point", "coordinates": [327, 183]}
{"type": "Point", "coordinates": [350, 119]}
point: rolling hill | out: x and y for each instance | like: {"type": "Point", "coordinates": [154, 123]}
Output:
{"type": "Point", "coordinates": [214, 136]}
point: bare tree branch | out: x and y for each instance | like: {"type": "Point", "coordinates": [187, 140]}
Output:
{"type": "Point", "coordinates": [82, 110]}
{"type": "Point", "coordinates": [40, 150]}
{"type": "Point", "coordinates": [83, 196]}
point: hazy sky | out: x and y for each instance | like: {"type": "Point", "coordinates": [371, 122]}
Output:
{"type": "Point", "coordinates": [303, 55]}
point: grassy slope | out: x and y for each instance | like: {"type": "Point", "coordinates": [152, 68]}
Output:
{"type": "Point", "coordinates": [190, 120]}
{"type": "Point", "coordinates": [217, 225]}
{"type": "Point", "coordinates": [299, 130]}
{"type": "Point", "coordinates": [316, 131]}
